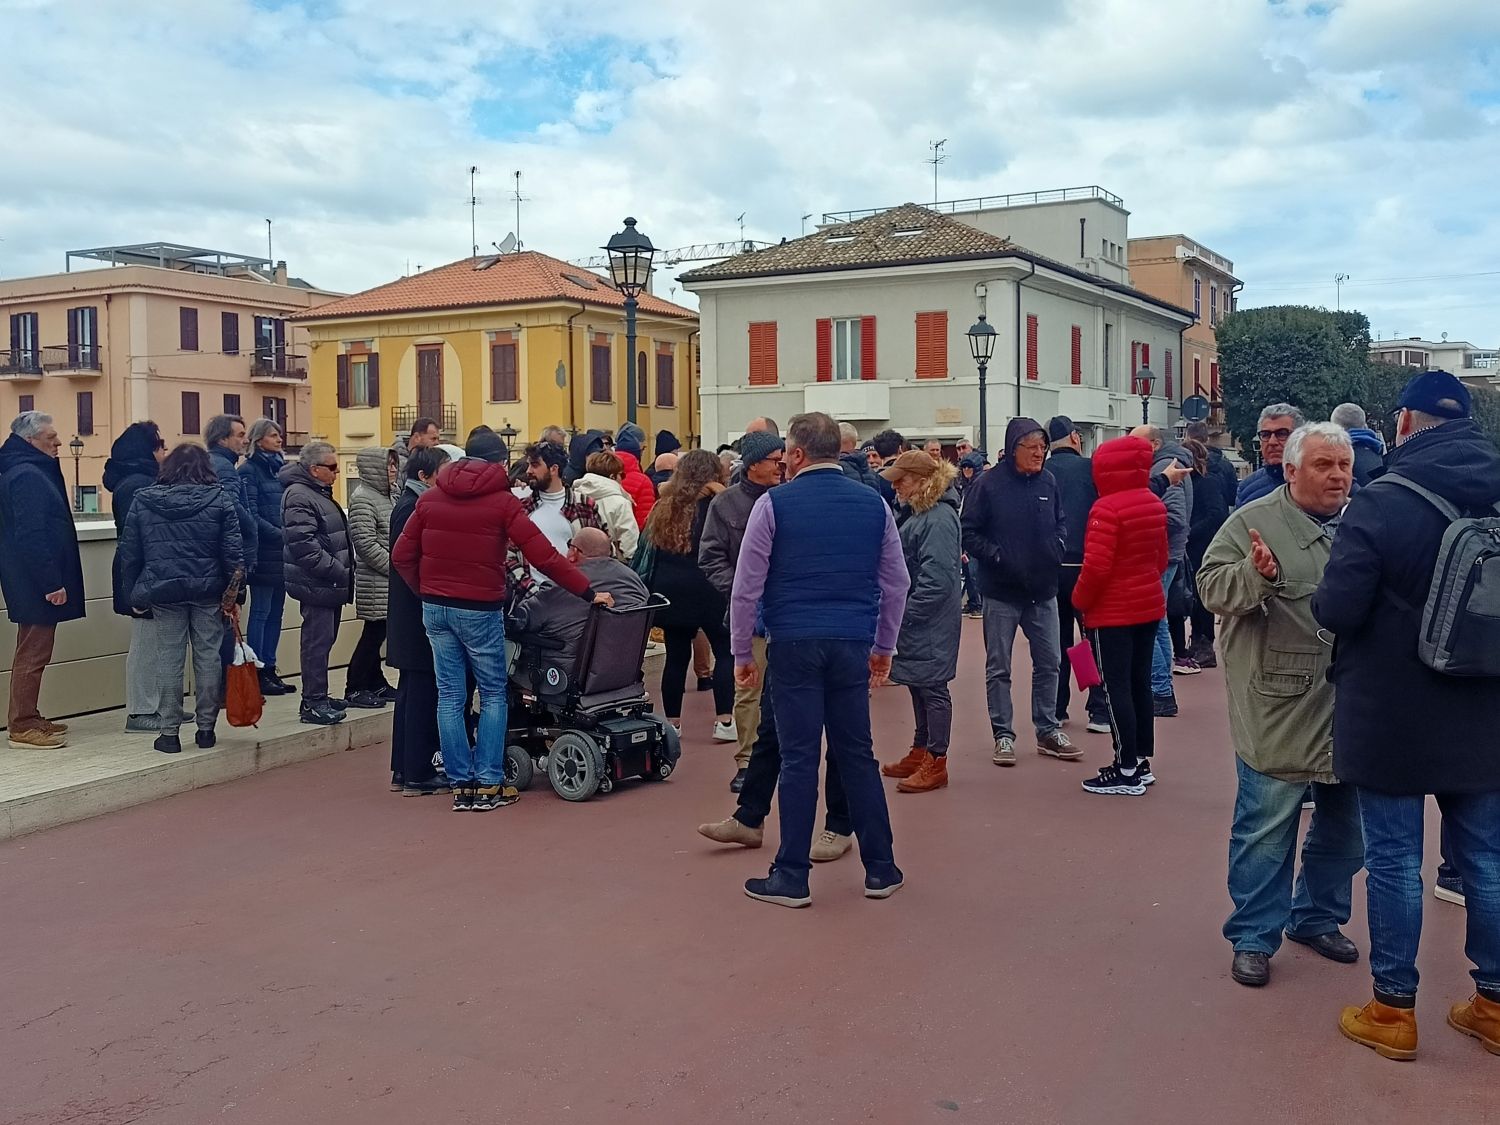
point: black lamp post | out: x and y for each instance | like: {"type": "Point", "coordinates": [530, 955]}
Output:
{"type": "Point", "coordinates": [630, 253]}
{"type": "Point", "coordinates": [76, 445]}
{"type": "Point", "coordinates": [981, 347]}
{"type": "Point", "coordinates": [1143, 379]}
{"type": "Point", "coordinates": [508, 434]}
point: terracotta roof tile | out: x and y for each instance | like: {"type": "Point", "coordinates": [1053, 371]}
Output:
{"type": "Point", "coordinates": [504, 279]}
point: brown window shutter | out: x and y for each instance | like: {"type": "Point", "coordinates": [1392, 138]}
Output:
{"type": "Point", "coordinates": [1167, 372]}
{"type": "Point", "coordinates": [372, 378]}
{"type": "Point", "coordinates": [191, 423]}
{"type": "Point", "coordinates": [229, 327]}
{"type": "Point", "coordinates": [25, 403]}
{"type": "Point", "coordinates": [666, 380]}
{"type": "Point", "coordinates": [932, 345]}
{"type": "Point", "coordinates": [74, 316]}
{"type": "Point", "coordinates": [1077, 369]}
{"type": "Point", "coordinates": [232, 404]}
{"type": "Point", "coordinates": [187, 322]}
{"type": "Point", "coordinates": [85, 412]}
{"type": "Point", "coordinates": [1033, 360]}
{"type": "Point", "coordinates": [867, 347]}
{"type": "Point", "coordinates": [343, 380]}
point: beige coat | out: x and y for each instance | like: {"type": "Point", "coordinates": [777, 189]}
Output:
{"type": "Point", "coordinates": [1275, 664]}
{"type": "Point", "coordinates": [616, 510]}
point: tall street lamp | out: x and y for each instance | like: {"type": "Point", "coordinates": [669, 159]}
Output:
{"type": "Point", "coordinates": [1143, 380]}
{"type": "Point", "coordinates": [76, 445]}
{"type": "Point", "coordinates": [630, 253]}
{"type": "Point", "coordinates": [508, 435]}
{"type": "Point", "coordinates": [981, 347]}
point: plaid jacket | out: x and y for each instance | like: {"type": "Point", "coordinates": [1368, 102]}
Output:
{"type": "Point", "coordinates": [580, 511]}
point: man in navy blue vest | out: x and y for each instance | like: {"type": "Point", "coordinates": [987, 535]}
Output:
{"type": "Point", "coordinates": [822, 558]}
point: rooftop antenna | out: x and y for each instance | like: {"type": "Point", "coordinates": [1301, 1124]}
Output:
{"type": "Point", "coordinates": [473, 215]}
{"type": "Point", "coordinates": [935, 159]}
{"type": "Point", "coordinates": [519, 199]}
{"type": "Point", "coordinates": [804, 221]}
{"type": "Point", "coordinates": [270, 258]}
{"type": "Point", "coordinates": [741, 221]}
{"type": "Point", "coordinates": [1338, 290]}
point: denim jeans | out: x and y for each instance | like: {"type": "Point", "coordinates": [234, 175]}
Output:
{"type": "Point", "coordinates": [764, 769]}
{"type": "Point", "coordinates": [1393, 855]}
{"type": "Point", "coordinates": [263, 630]}
{"type": "Point", "coordinates": [1039, 622]}
{"type": "Point", "coordinates": [466, 641]}
{"type": "Point", "coordinates": [1263, 858]}
{"type": "Point", "coordinates": [823, 687]}
{"type": "Point", "coordinates": [1161, 659]}
{"type": "Point", "coordinates": [970, 574]}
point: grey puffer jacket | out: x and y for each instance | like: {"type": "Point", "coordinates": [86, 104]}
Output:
{"type": "Point", "coordinates": [319, 563]}
{"type": "Point", "coordinates": [370, 534]}
{"type": "Point", "coordinates": [927, 649]}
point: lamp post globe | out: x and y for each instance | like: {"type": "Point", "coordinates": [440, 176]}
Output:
{"type": "Point", "coordinates": [982, 346]}
{"type": "Point", "coordinates": [1144, 378]}
{"type": "Point", "coordinates": [630, 253]}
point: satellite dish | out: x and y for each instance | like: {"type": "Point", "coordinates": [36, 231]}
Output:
{"type": "Point", "coordinates": [506, 245]}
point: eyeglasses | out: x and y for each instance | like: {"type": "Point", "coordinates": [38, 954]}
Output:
{"type": "Point", "coordinates": [333, 468]}
{"type": "Point", "coordinates": [1280, 435]}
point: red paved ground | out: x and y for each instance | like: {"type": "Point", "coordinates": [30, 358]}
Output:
{"type": "Point", "coordinates": [304, 946]}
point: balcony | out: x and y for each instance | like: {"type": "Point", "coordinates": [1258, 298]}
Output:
{"type": "Point", "coordinates": [33, 363]}
{"type": "Point", "coordinates": [446, 416]}
{"type": "Point", "coordinates": [853, 400]}
{"type": "Point", "coordinates": [278, 366]}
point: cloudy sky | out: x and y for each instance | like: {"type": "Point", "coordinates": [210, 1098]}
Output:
{"type": "Point", "coordinates": [1299, 139]}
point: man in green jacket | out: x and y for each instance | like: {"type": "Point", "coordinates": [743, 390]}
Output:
{"type": "Point", "coordinates": [1259, 574]}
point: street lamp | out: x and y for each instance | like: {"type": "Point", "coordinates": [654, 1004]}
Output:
{"type": "Point", "coordinates": [981, 347]}
{"type": "Point", "coordinates": [76, 445]}
{"type": "Point", "coordinates": [630, 253]}
{"type": "Point", "coordinates": [1143, 379]}
{"type": "Point", "coordinates": [508, 434]}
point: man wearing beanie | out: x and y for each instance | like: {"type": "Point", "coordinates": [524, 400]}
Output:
{"type": "Point", "coordinates": [761, 456]}
{"type": "Point", "coordinates": [630, 439]}
{"type": "Point", "coordinates": [452, 552]}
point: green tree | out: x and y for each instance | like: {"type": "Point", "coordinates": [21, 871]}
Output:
{"type": "Point", "coordinates": [1383, 383]}
{"type": "Point", "coordinates": [1487, 411]}
{"type": "Point", "coordinates": [1312, 358]}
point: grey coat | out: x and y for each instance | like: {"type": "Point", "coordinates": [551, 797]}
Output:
{"type": "Point", "coordinates": [927, 650]}
{"type": "Point", "coordinates": [1178, 499]}
{"type": "Point", "coordinates": [370, 534]}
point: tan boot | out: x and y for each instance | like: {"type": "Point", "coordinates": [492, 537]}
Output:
{"type": "Point", "coordinates": [932, 775]}
{"type": "Point", "coordinates": [1391, 1032]}
{"type": "Point", "coordinates": [732, 831]}
{"type": "Point", "coordinates": [1479, 1018]}
{"type": "Point", "coordinates": [907, 765]}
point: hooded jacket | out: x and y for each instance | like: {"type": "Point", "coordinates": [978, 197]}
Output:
{"type": "Point", "coordinates": [1398, 726]}
{"type": "Point", "coordinates": [453, 548]}
{"type": "Point", "coordinates": [1125, 547]}
{"type": "Point", "coordinates": [370, 533]}
{"type": "Point", "coordinates": [616, 512]}
{"type": "Point", "coordinates": [1013, 526]}
{"type": "Point", "coordinates": [260, 474]}
{"type": "Point", "coordinates": [38, 542]}
{"type": "Point", "coordinates": [932, 623]}
{"type": "Point", "coordinates": [579, 450]}
{"type": "Point", "coordinates": [1075, 482]}
{"type": "Point", "coordinates": [1369, 454]}
{"type": "Point", "coordinates": [1178, 499]}
{"type": "Point", "coordinates": [181, 544]}
{"type": "Point", "coordinates": [131, 467]}
{"type": "Point", "coordinates": [317, 561]}
{"type": "Point", "coordinates": [638, 487]}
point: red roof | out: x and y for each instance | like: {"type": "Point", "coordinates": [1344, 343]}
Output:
{"type": "Point", "coordinates": [525, 277]}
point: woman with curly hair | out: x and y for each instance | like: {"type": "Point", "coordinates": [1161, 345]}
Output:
{"type": "Point", "coordinates": [927, 649]}
{"type": "Point", "coordinates": [674, 530]}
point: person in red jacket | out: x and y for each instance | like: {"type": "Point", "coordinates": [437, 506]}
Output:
{"type": "Point", "coordinates": [452, 552]}
{"type": "Point", "coordinates": [1120, 597]}
{"type": "Point", "coordinates": [628, 445]}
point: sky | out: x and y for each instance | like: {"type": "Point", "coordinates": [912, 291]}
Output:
{"type": "Point", "coordinates": [1299, 139]}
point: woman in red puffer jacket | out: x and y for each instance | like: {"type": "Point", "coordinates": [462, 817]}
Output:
{"type": "Point", "coordinates": [1120, 596]}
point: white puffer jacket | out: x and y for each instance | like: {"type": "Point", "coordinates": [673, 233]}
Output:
{"type": "Point", "coordinates": [615, 509]}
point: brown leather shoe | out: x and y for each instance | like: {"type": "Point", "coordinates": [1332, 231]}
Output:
{"type": "Point", "coordinates": [933, 774]}
{"type": "Point", "coordinates": [54, 728]}
{"type": "Point", "coordinates": [731, 831]}
{"type": "Point", "coordinates": [1390, 1032]}
{"type": "Point", "coordinates": [907, 765]}
{"type": "Point", "coordinates": [1479, 1018]}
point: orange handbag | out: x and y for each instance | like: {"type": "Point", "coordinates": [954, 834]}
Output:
{"type": "Point", "coordinates": [243, 701]}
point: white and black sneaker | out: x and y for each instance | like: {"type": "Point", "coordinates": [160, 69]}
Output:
{"type": "Point", "coordinates": [1112, 782]}
{"type": "Point", "coordinates": [1143, 772]}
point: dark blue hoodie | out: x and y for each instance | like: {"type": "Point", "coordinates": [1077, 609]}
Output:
{"type": "Point", "coordinates": [1013, 526]}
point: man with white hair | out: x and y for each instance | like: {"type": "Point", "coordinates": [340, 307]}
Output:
{"type": "Point", "coordinates": [1369, 447]}
{"type": "Point", "coordinates": [1258, 574]}
{"type": "Point", "coordinates": [856, 465]}
{"type": "Point", "coordinates": [1277, 422]}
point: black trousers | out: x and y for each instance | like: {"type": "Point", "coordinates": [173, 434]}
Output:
{"type": "Point", "coordinates": [364, 662]}
{"type": "Point", "coordinates": [414, 733]}
{"type": "Point", "coordinates": [1067, 578]}
{"type": "Point", "coordinates": [764, 769]}
{"type": "Point", "coordinates": [1124, 656]}
{"type": "Point", "coordinates": [320, 629]}
{"type": "Point", "coordinates": [1202, 619]}
{"type": "Point", "coordinates": [680, 656]}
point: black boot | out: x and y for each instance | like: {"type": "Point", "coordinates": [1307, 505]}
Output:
{"type": "Point", "coordinates": [270, 683]}
{"type": "Point", "coordinates": [168, 743]}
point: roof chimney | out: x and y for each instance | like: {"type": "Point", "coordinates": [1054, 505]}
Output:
{"type": "Point", "coordinates": [280, 274]}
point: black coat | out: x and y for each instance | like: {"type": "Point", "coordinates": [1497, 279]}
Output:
{"type": "Point", "coordinates": [1213, 496]}
{"type": "Point", "coordinates": [857, 467]}
{"type": "Point", "coordinates": [224, 461]}
{"type": "Point", "coordinates": [1221, 475]}
{"type": "Point", "coordinates": [38, 542]}
{"type": "Point", "coordinates": [318, 562]}
{"type": "Point", "coordinates": [124, 477]}
{"type": "Point", "coordinates": [1013, 527]}
{"type": "Point", "coordinates": [1398, 726]}
{"type": "Point", "coordinates": [181, 544]}
{"type": "Point", "coordinates": [406, 644]}
{"type": "Point", "coordinates": [681, 580]}
{"type": "Point", "coordinates": [263, 495]}
{"type": "Point", "coordinates": [1074, 474]}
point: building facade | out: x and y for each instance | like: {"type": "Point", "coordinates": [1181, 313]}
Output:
{"type": "Point", "coordinates": [1480, 366]}
{"type": "Point", "coordinates": [517, 340]}
{"type": "Point", "coordinates": [167, 333]}
{"type": "Point", "coordinates": [867, 320]}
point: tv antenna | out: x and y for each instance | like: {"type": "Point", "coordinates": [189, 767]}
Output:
{"type": "Point", "coordinates": [1338, 290]}
{"type": "Point", "coordinates": [518, 198]}
{"type": "Point", "coordinates": [473, 214]}
{"type": "Point", "coordinates": [804, 221]}
{"type": "Point", "coordinates": [937, 157]}
{"type": "Point", "coordinates": [741, 221]}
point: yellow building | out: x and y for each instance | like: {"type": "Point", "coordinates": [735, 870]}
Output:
{"type": "Point", "coordinates": [520, 340]}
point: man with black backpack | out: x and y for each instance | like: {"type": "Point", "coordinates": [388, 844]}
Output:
{"type": "Point", "coordinates": [1404, 727]}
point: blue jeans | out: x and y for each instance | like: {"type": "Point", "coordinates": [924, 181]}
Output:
{"type": "Point", "coordinates": [1393, 855]}
{"type": "Point", "coordinates": [970, 574]}
{"type": "Point", "coordinates": [466, 641]}
{"type": "Point", "coordinates": [824, 687]}
{"type": "Point", "coordinates": [1161, 658]}
{"type": "Point", "coordinates": [263, 630]}
{"type": "Point", "coordinates": [1263, 858]}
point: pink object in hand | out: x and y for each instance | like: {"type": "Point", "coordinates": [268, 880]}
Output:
{"type": "Point", "coordinates": [1085, 671]}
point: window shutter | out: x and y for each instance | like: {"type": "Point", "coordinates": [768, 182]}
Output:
{"type": "Point", "coordinates": [825, 350]}
{"type": "Point", "coordinates": [1213, 381]}
{"type": "Point", "coordinates": [190, 418]}
{"type": "Point", "coordinates": [372, 378]}
{"type": "Point", "coordinates": [1077, 369]}
{"type": "Point", "coordinates": [1197, 374]}
{"type": "Point", "coordinates": [231, 404]}
{"type": "Point", "coordinates": [1145, 355]}
{"type": "Point", "coordinates": [229, 325]}
{"type": "Point", "coordinates": [85, 412]}
{"type": "Point", "coordinates": [1033, 367]}
{"type": "Point", "coordinates": [25, 403]}
{"type": "Point", "coordinates": [763, 371]}
{"type": "Point", "coordinates": [343, 381]}
{"type": "Point", "coordinates": [1135, 366]}
{"type": "Point", "coordinates": [15, 335]}
{"type": "Point", "coordinates": [932, 345]}
{"type": "Point", "coordinates": [1167, 372]}
{"type": "Point", "coordinates": [666, 379]}
{"type": "Point", "coordinates": [73, 318]}
{"type": "Point", "coordinates": [867, 347]}
{"type": "Point", "coordinates": [187, 322]}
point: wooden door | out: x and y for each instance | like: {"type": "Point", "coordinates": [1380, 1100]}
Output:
{"type": "Point", "coordinates": [430, 383]}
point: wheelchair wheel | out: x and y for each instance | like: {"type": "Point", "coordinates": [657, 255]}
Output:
{"type": "Point", "coordinates": [575, 766]}
{"type": "Point", "coordinates": [518, 768]}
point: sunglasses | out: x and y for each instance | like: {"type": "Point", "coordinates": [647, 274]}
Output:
{"type": "Point", "coordinates": [1280, 435]}
{"type": "Point", "coordinates": [333, 468]}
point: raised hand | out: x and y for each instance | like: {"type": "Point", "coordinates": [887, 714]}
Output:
{"type": "Point", "coordinates": [1262, 557]}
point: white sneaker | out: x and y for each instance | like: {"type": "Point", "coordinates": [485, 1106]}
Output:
{"type": "Point", "coordinates": [726, 732]}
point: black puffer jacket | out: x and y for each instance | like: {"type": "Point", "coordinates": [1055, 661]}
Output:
{"type": "Point", "coordinates": [181, 544]}
{"type": "Point", "coordinates": [1013, 527]}
{"type": "Point", "coordinates": [318, 562]}
{"type": "Point", "coordinates": [125, 473]}
{"type": "Point", "coordinates": [263, 495]}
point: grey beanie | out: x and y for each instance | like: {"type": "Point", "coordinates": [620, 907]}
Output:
{"type": "Point", "coordinates": [757, 446]}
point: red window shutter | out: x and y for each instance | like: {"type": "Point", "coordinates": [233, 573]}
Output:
{"type": "Point", "coordinates": [825, 350]}
{"type": "Point", "coordinates": [372, 378]}
{"type": "Point", "coordinates": [1197, 374]}
{"type": "Point", "coordinates": [1167, 372]}
{"type": "Point", "coordinates": [932, 345]}
{"type": "Point", "coordinates": [1213, 381]}
{"type": "Point", "coordinates": [763, 354]}
{"type": "Point", "coordinates": [1145, 355]}
{"type": "Point", "coordinates": [867, 347]}
{"type": "Point", "coordinates": [1077, 369]}
{"type": "Point", "coordinates": [1135, 366]}
{"type": "Point", "coordinates": [343, 381]}
{"type": "Point", "coordinates": [1033, 368]}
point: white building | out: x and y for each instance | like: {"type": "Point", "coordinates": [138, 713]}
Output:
{"type": "Point", "coordinates": [1461, 358]}
{"type": "Point", "coordinates": [866, 320]}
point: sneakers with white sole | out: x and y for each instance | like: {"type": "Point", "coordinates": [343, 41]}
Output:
{"type": "Point", "coordinates": [1112, 782]}
{"type": "Point", "coordinates": [726, 732]}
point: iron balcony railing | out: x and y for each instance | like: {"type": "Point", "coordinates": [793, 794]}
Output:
{"type": "Point", "coordinates": [42, 360]}
{"type": "Point", "coordinates": [989, 202]}
{"type": "Point", "coordinates": [278, 365]}
{"type": "Point", "coordinates": [445, 415]}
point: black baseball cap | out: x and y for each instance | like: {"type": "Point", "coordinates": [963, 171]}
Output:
{"type": "Point", "coordinates": [1060, 427]}
{"type": "Point", "coordinates": [1426, 392]}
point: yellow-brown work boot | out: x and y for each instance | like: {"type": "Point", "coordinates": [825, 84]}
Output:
{"type": "Point", "coordinates": [1479, 1018]}
{"type": "Point", "coordinates": [907, 765]}
{"type": "Point", "coordinates": [1390, 1032]}
{"type": "Point", "coordinates": [932, 775]}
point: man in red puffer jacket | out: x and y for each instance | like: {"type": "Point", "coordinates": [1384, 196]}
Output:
{"type": "Point", "coordinates": [1120, 596]}
{"type": "Point", "coordinates": [452, 552]}
{"type": "Point", "coordinates": [628, 445]}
